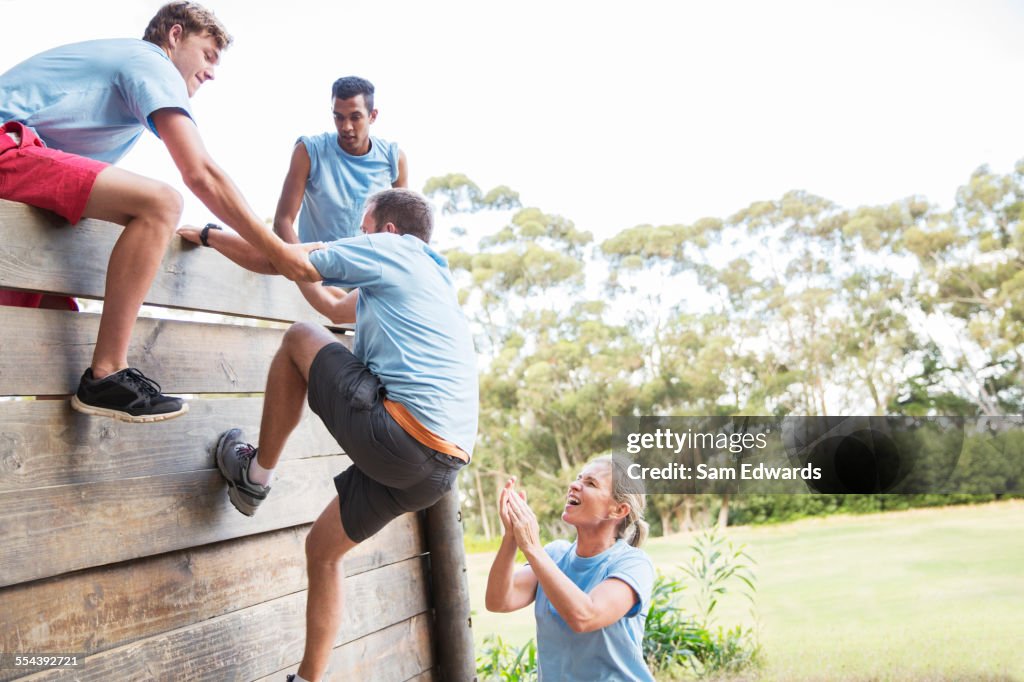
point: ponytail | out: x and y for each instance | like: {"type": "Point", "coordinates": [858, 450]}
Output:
{"type": "Point", "coordinates": [625, 490]}
{"type": "Point", "coordinates": [640, 530]}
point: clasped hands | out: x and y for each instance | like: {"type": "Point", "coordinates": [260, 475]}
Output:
{"type": "Point", "coordinates": [519, 520]}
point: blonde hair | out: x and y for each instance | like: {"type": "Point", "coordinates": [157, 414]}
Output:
{"type": "Point", "coordinates": [192, 17]}
{"type": "Point", "coordinates": [625, 490]}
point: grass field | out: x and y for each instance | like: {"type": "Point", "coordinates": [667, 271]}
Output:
{"type": "Point", "coordinates": [927, 594]}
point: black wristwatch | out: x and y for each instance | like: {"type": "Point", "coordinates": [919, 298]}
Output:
{"type": "Point", "coordinates": [205, 233]}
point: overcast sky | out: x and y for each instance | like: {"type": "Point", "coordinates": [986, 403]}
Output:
{"type": "Point", "coordinates": [611, 114]}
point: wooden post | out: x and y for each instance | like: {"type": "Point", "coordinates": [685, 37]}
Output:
{"type": "Point", "coordinates": [450, 591]}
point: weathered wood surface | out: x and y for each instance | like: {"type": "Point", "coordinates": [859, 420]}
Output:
{"type": "Point", "coordinates": [397, 653]}
{"type": "Point", "coordinates": [98, 609]}
{"type": "Point", "coordinates": [49, 531]}
{"type": "Point", "coordinates": [46, 443]}
{"type": "Point", "coordinates": [46, 351]}
{"type": "Point", "coordinates": [257, 641]}
{"type": "Point", "coordinates": [117, 540]}
{"type": "Point", "coordinates": [42, 252]}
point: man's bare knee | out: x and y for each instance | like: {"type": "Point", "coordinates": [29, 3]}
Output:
{"type": "Point", "coordinates": [161, 209]}
{"type": "Point", "coordinates": [303, 341]}
{"type": "Point", "coordinates": [322, 554]}
{"type": "Point", "coordinates": [327, 542]}
{"type": "Point", "coordinates": [300, 332]}
{"type": "Point", "coordinates": [168, 206]}
{"type": "Point", "coordinates": [326, 550]}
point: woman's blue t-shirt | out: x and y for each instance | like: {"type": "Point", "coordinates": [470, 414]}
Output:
{"type": "Point", "coordinates": [612, 653]}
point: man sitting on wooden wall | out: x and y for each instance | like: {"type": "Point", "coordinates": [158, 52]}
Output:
{"type": "Point", "coordinates": [403, 404]}
{"type": "Point", "coordinates": [67, 114]}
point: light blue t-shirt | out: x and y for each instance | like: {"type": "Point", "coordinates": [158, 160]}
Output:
{"type": "Point", "coordinates": [613, 653]}
{"type": "Point", "coordinates": [410, 331]}
{"type": "Point", "coordinates": [94, 98]}
{"type": "Point", "coordinates": [339, 185]}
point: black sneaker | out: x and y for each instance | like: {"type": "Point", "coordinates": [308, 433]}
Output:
{"type": "Point", "coordinates": [233, 458]}
{"type": "Point", "coordinates": [127, 395]}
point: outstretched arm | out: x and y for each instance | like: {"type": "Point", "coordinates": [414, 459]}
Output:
{"type": "Point", "coordinates": [233, 247]}
{"type": "Point", "coordinates": [582, 611]}
{"type": "Point", "coordinates": [241, 252]}
{"type": "Point", "coordinates": [215, 189]}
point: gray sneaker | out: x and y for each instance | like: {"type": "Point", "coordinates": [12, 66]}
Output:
{"type": "Point", "coordinates": [233, 458]}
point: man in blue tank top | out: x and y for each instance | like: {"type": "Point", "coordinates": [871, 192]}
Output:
{"type": "Point", "coordinates": [330, 178]}
{"type": "Point", "coordinates": [67, 115]}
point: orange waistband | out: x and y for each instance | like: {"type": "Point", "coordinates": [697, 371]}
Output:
{"type": "Point", "coordinates": [421, 433]}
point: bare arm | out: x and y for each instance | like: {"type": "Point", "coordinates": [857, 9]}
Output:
{"type": "Point", "coordinates": [233, 247]}
{"type": "Point", "coordinates": [335, 304]}
{"type": "Point", "coordinates": [582, 611]}
{"type": "Point", "coordinates": [291, 195]}
{"type": "Point", "coordinates": [215, 189]}
{"type": "Point", "coordinates": [508, 588]}
{"type": "Point", "coordinates": [403, 171]}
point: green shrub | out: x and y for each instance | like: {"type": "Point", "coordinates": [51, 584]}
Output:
{"type": "Point", "coordinates": [676, 643]}
{"type": "Point", "coordinates": [670, 637]}
{"type": "Point", "coordinates": [502, 662]}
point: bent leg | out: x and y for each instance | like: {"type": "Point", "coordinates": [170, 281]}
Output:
{"type": "Point", "coordinates": [149, 211]}
{"type": "Point", "coordinates": [286, 388]}
{"type": "Point", "coordinates": [326, 545]}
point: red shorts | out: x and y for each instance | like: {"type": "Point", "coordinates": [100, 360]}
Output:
{"type": "Point", "coordinates": [30, 299]}
{"type": "Point", "coordinates": [34, 174]}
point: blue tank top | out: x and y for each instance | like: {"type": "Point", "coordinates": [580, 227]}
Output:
{"type": "Point", "coordinates": [339, 185]}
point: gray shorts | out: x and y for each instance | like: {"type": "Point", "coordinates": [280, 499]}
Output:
{"type": "Point", "coordinates": [392, 472]}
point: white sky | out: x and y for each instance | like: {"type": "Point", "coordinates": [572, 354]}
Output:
{"type": "Point", "coordinates": [611, 114]}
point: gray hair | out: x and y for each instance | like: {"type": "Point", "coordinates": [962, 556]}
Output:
{"type": "Point", "coordinates": [625, 490]}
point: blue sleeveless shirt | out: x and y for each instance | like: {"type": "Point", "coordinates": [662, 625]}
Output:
{"type": "Point", "coordinates": [339, 185]}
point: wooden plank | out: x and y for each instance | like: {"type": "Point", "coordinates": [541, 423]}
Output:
{"type": "Point", "coordinates": [393, 654]}
{"type": "Point", "coordinates": [397, 653]}
{"type": "Point", "coordinates": [46, 351]}
{"type": "Point", "coordinates": [50, 531]}
{"type": "Point", "coordinates": [99, 609]}
{"type": "Point", "coordinates": [43, 253]}
{"type": "Point", "coordinates": [254, 642]}
{"type": "Point", "coordinates": [427, 676]}
{"type": "Point", "coordinates": [46, 443]}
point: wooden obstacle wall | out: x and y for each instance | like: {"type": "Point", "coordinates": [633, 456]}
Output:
{"type": "Point", "coordinates": [117, 540]}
